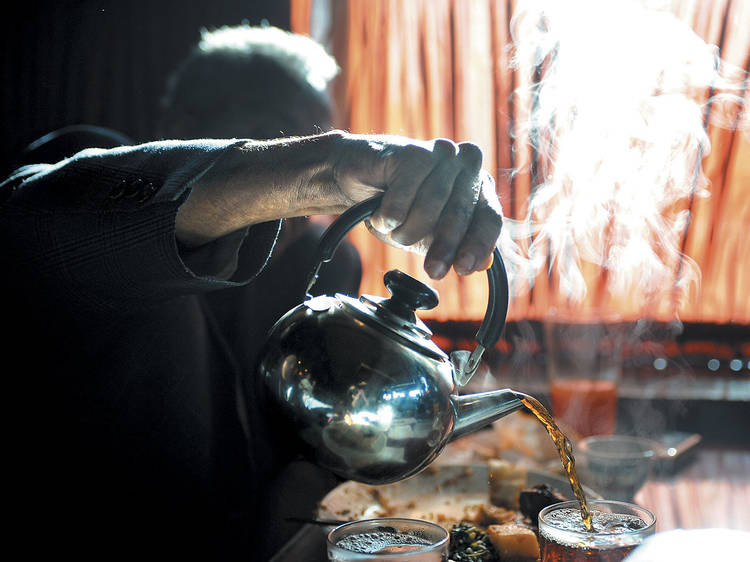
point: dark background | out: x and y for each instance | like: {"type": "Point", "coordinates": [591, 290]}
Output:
{"type": "Point", "coordinates": [102, 62]}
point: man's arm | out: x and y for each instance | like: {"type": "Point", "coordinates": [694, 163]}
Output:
{"type": "Point", "coordinates": [436, 194]}
{"type": "Point", "coordinates": [97, 231]}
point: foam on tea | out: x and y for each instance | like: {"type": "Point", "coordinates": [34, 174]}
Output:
{"type": "Point", "coordinates": [603, 522]}
{"type": "Point", "coordinates": [565, 538]}
{"type": "Point", "coordinates": [381, 542]}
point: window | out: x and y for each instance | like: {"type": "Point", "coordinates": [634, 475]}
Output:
{"type": "Point", "coordinates": [521, 82]}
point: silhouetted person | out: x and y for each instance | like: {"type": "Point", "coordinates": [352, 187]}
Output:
{"type": "Point", "coordinates": [263, 83]}
{"type": "Point", "coordinates": [129, 431]}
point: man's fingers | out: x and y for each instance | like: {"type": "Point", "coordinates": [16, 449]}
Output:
{"type": "Point", "coordinates": [435, 196]}
{"type": "Point", "coordinates": [471, 157]}
{"type": "Point", "coordinates": [479, 242]}
{"type": "Point", "coordinates": [456, 216]}
{"type": "Point", "coordinates": [486, 264]}
{"type": "Point", "coordinates": [406, 170]}
{"type": "Point", "coordinates": [402, 184]}
{"type": "Point", "coordinates": [429, 202]}
{"type": "Point", "coordinates": [450, 230]}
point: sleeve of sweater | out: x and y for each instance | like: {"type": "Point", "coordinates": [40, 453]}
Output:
{"type": "Point", "coordinates": [99, 228]}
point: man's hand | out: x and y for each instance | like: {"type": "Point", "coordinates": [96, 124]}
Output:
{"type": "Point", "coordinates": [437, 199]}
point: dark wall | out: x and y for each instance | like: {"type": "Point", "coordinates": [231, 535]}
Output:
{"type": "Point", "coordinates": [102, 62]}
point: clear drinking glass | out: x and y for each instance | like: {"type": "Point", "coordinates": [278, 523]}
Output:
{"type": "Point", "coordinates": [617, 465]}
{"type": "Point", "coordinates": [584, 366]}
{"type": "Point", "coordinates": [388, 538]}
{"type": "Point", "coordinates": [619, 527]}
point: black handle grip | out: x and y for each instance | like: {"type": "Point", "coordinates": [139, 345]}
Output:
{"type": "Point", "coordinates": [350, 218]}
{"type": "Point", "coordinates": [497, 304]}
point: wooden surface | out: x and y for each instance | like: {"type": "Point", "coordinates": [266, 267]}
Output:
{"type": "Point", "coordinates": [713, 491]}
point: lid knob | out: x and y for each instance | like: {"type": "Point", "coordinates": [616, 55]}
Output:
{"type": "Point", "coordinates": [408, 295]}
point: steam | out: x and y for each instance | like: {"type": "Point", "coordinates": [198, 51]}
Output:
{"type": "Point", "coordinates": [621, 95]}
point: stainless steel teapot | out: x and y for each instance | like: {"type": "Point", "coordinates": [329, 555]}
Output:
{"type": "Point", "coordinates": [371, 396]}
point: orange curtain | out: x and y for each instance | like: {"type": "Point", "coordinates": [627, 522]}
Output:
{"type": "Point", "coordinates": [442, 68]}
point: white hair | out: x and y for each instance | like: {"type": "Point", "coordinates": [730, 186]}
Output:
{"type": "Point", "coordinates": [301, 55]}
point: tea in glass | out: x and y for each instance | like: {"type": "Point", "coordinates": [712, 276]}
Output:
{"type": "Point", "coordinates": [618, 528]}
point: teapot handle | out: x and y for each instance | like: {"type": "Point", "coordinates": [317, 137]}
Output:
{"type": "Point", "coordinates": [497, 305]}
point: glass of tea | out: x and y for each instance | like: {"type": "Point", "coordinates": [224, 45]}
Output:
{"type": "Point", "coordinates": [583, 368]}
{"type": "Point", "coordinates": [388, 538]}
{"type": "Point", "coordinates": [619, 527]}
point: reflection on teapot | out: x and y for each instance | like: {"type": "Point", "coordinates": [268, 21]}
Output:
{"type": "Point", "coordinates": [371, 396]}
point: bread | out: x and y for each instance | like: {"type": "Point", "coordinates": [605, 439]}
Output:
{"type": "Point", "coordinates": [506, 482]}
{"type": "Point", "coordinates": [514, 542]}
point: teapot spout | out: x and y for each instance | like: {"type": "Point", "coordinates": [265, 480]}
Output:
{"type": "Point", "coordinates": [475, 411]}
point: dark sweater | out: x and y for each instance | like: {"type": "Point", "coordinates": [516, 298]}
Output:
{"type": "Point", "coordinates": [126, 431]}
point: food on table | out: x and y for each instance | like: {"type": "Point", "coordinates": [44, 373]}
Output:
{"type": "Point", "coordinates": [514, 542]}
{"type": "Point", "coordinates": [506, 528]}
{"type": "Point", "coordinates": [493, 514]}
{"type": "Point", "coordinates": [470, 544]}
{"type": "Point", "coordinates": [533, 500]}
{"type": "Point", "coordinates": [506, 482]}
{"type": "Point", "coordinates": [519, 438]}
{"type": "Point", "coordinates": [463, 500]}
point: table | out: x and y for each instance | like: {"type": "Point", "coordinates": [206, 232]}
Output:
{"type": "Point", "coordinates": [713, 491]}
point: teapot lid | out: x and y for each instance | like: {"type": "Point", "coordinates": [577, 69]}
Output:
{"type": "Point", "coordinates": [395, 316]}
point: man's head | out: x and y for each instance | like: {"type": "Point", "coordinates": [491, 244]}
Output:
{"type": "Point", "coordinates": [249, 82]}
